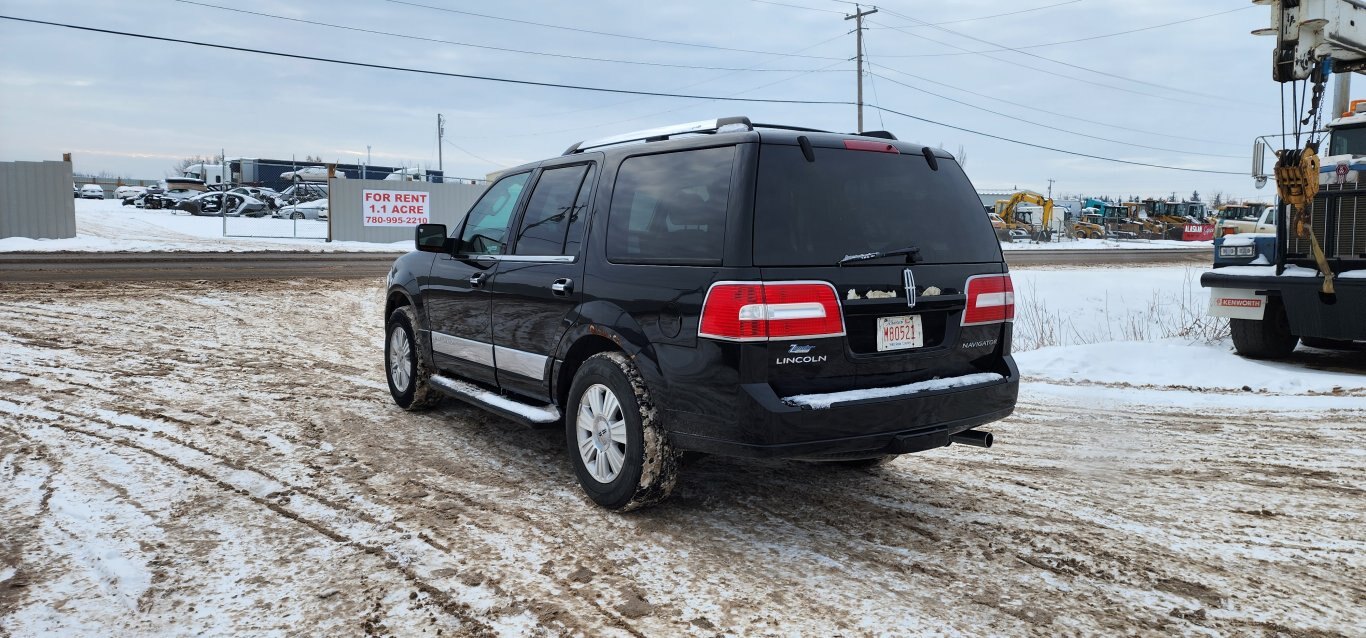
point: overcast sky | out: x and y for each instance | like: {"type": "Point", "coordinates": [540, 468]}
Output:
{"type": "Point", "coordinates": [1198, 92]}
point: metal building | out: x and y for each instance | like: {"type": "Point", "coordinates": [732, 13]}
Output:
{"type": "Point", "coordinates": [35, 202]}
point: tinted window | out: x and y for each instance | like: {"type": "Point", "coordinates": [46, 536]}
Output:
{"type": "Point", "coordinates": [853, 202]}
{"type": "Point", "coordinates": [548, 211]}
{"type": "Point", "coordinates": [577, 220]}
{"type": "Point", "coordinates": [486, 225]}
{"type": "Point", "coordinates": [671, 208]}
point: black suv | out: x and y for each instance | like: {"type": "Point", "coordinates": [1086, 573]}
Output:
{"type": "Point", "coordinates": [723, 287]}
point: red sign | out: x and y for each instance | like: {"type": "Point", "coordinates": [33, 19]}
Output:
{"type": "Point", "coordinates": [1197, 232]}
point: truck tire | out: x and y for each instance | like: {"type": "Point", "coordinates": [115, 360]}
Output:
{"type": "Point", "coordinates": [406, 363]}
{"type": "Point", "coordinates": [616, 442]}
{"type": "Point", "coordinates": [1269, 338]}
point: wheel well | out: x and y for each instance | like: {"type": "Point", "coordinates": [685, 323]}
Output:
{"type": "Point", "coordinates": [578, 353]}
{"type": "Point", "coordinates": [395, 301]}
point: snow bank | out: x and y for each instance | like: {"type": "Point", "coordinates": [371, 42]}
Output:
{"type": "Point", "coordinates": [1175, 363]}
{"type": "Point", "coordinates": [109, 226]}
{"type": "Point", "coordinates": [1096, 244]}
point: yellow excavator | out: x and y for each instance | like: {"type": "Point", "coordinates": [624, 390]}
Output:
{"type": "Point", "coordinates": [1020, 222]}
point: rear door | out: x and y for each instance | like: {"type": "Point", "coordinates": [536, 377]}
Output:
{"type": "Point", "coordinates": [456, 292]}
{"type": "Point", "coordinates": [826, 219]}
{"type": "Point", "coordinates": [538, 284]}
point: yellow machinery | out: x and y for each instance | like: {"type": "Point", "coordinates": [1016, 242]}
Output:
{"type": "Point", "coordinates": [1141, 223]}
{"type": "Point", "coordinates": [1016, 222]}
{"type": "Point", "coordinates": [1088, 225]}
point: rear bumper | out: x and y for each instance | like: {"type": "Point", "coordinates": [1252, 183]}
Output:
{"type": "Point", "coordinates": [766, 427]}
{"type": "Point", "coordinates": [1307, 311]}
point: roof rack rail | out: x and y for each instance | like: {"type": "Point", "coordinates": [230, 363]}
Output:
{"type": "Point", "coordinates": [784, 127]}
{"type": "Point", "coordinates": [886, 135]}
{"type": "Point", "coordinates": [665, 132]}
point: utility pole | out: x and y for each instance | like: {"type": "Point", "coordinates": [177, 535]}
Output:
{"type": "Point", "coordinates": [1050, 187]}
{"type": "Point", "coordinates": [440, 132]}
{"type": "Point", "coordinates": [858, 39]}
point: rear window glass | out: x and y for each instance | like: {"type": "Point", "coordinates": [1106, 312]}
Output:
{"type": "Point", "coordinates": [671, 208]}
{"type": "Point", "coordinates": [853, 202]}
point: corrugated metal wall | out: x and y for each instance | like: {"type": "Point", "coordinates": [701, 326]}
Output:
{"type": "Point", "coordinates": [449, 202]}
{"type": "Point", "coordinates": [35, 200]}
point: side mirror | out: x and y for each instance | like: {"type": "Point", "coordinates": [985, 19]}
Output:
{"type": "Point", "coordinates": [431, 238]}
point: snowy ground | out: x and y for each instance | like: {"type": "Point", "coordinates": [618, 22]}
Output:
{"type": "Point", "coordinates": [109, 226]}
{"type": "Point", "coordinates": [224, 459]}
{"type": "Point", "coordinates": [1068, 243]}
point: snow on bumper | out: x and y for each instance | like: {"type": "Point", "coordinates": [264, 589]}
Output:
{"type": "Point", "coordinates": [822, 401]}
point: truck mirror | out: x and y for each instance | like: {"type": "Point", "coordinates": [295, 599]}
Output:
{"type": "Point", "coordinates": [431, 238]}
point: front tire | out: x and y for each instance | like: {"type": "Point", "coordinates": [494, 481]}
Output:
{"type": "Point", "coordinates": [1269, 338]}
{"type": "Point", "coordinates": [406, 365]}
{"type": "Point", "coordinates": [616, 442]}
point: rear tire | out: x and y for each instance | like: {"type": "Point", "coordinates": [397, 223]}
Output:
{"type": "Point", "coordinates": [406, 365]}
{"type": "Point", "coordinates": [616, 442]}
{"type": "Point", "coordinates": [1269, 338]}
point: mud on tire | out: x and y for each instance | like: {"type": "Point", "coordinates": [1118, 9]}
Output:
{"type": "Point", "coordinates": [416, 393]}
{"type": "Point", "coordinates": [649, 465]}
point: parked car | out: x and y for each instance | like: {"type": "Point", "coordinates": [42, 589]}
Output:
{"type": "Point", "coordinates": [75, 192]}
{"type": "Point", "coordinates": [316, 209]}
{"type": "Point", "coordinates": [173, 191]}
{"type": "Point", "coordinates": [212, 204]}
{"type": "Point", "coordinates": [92, 191]}
{"type": "Point", "coordinates": [128, 192]}
{"type": "Point", "coordinates": [723, 288]}
{"type": "Point", "coordinates": [301, 192]}
{"type": "Point", "coordinates": [309, 174]}
{"type": "Point", "coordinates": [148, 197]}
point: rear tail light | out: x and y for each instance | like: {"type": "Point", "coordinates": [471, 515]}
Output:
{"type": "Point", "coordinates": [991, 299]}
{"type": "Point", "coordinates": [759, 311]}
{"type": "Point", "coordinates": [869, 145]}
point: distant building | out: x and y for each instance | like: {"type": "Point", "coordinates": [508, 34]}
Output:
{"type": "Point", "coordinates": [990, 195]}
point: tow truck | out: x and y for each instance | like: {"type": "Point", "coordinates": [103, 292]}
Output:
{"type": "Point", "coordinates": [1313, 286]}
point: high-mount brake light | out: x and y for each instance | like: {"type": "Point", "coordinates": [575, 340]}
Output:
{"type": "Point", "coordinates": [869, 145]}
{"type": "Point", "coordinates": [991, 299]}
{"type": "Point", "coordinates": [761, 311]}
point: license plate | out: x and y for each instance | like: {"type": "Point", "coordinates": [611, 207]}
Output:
{"type": "Point", "coordinates": [899, 333]}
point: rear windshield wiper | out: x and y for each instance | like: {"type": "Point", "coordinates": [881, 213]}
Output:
{"type": "Point", "coordinates": [911, 253]}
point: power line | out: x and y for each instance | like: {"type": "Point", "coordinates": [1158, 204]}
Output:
{"type": "Point", "coordinates": [388, 67]}
{"type": "Point", "coordinates": [797, 6]}
{"type": "Point", "coordinates": [467, 152]}
{"type": "Point", "coordinates": [994, 15]}
{"type": "Point", "coordinates": [595, 89]}
{"type": "Point", "coordinates": [1055, 73]}
{"type": "Point", "coordinates": [1051, 148]}
{"type": "Point", "coordinates": [475, 46]}
{"type": "Point", "coordinates": [1048, 126]}
{"type": "Point", "coordinates": [1085, 39]}
{"type": "Point", "coordinates": [1035, 55]}
{"type": "Point", "coordinates": [603, 33]}
{"type": "Point", "coordinates": [1054, 113]}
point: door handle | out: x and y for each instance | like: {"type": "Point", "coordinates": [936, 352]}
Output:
{"type": "Point", "coordinates": [562, 287]}
{"type": "Point", "coordinates": [477, 280]}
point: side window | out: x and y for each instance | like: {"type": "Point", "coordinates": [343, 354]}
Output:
{"type": "Point", "coordinates": [573, 237]}
{"type": "Point", "coordinates": [486, 225]}
{"type": "Point", "coordinates": [671, 208]}
{"type": "Point", "coordinates": [548, 211]}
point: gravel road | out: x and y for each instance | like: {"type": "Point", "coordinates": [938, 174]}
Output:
{"type": "Point", "coordinates": [224, 459]}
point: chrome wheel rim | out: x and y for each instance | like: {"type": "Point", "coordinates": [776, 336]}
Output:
{"type": "Point", "coordinates": [601, 428]}
{"type": "Point", "coordinates": [400, 359]}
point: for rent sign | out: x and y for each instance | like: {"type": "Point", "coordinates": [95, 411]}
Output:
{"type": "Point", "coordinates": [395, 208]}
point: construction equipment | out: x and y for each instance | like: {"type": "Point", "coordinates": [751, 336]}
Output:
{"type": "Point", "coordinates": [1019, 220]}
{"type": "Point", "coordinates": [1320, 221]}
{"type": "Point", "coordinates": [1088, 225]}
{"type": "Point", "coordinates": [1141, 222]}
{"type": "Point", "coordinates": [1113, 218]}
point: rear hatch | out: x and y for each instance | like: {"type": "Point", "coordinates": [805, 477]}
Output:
{"type": "Point", "coordinates": [833, 212]}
